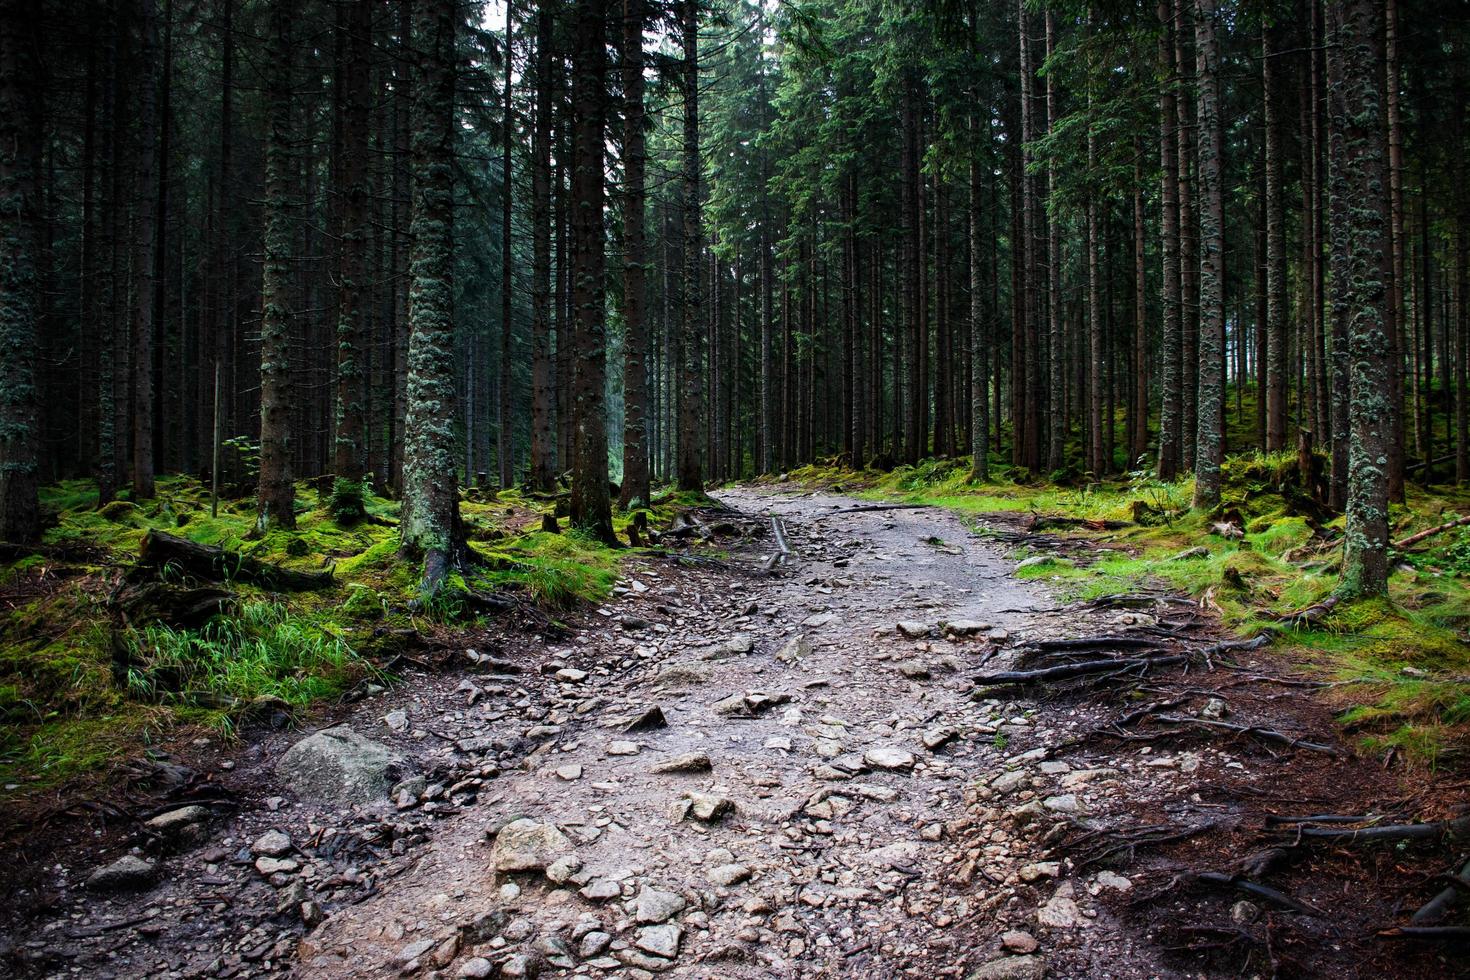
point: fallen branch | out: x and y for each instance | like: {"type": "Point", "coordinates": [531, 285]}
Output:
{"type": "Point", "coordinates": [1266, 734]}
{"type": "Point", "coordinates": [778, 531]}
{"type": "Point", "coordinates": [1458, 827]}
{"type": "Point", "coordinates": [1064, 671]}
{"type": "Point", "coordinates": [1312, 615]}
{"type": "Point", "coordinates": [1414, 539]}
{"type": "Point", "coordinates": [218, 565]}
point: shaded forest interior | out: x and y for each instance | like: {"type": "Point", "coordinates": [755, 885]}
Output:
{"type": "Point", "coordinates": [384, 260]}
{"type": "Point", "coordinates": [259, 242]}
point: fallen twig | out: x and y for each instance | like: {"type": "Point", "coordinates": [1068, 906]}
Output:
{"type": "Point", "coordinates": [1414, 539]}
{"type": "Point", "coordinates": [1458, 827]}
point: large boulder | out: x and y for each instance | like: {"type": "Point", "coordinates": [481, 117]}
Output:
{"type": "Point", "coordinates": [339, 766]}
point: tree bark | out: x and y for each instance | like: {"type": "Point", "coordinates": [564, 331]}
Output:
{"type": "Point", "coordinates": [504, 416]}
{"type": "Point", "coordinates": [1357, 101]}
{"type": "Point", "coordinates": [591, 503]}
{"type": "Point", "coordinates": [349, 442]}
{"type": "Point", "coordinates": [1171, 381]}
{"type": "Point", "coordinates": [145, 241]}
{"type": "Point", "coordinates": [20, 136]}
{"type": "Point", "coordinates": [1210, 446]}
{"type": "Point", "coordinates": [635, 343]}
{"type": "Point", "coordinates": [430, 525]}
{"type": "Point", "coordinates": [691, 407]}
{"type": "Point", "coordinates": [277, 493]}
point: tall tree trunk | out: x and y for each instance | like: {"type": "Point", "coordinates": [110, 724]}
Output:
{"type": "Point", "coordinates": [543, 388]}
{"type": "Point", "coordinates": [591, 503]}
{"type": "Point", "coordinates": [691, 408]}
{"type": "Point", "coordinates": [145, 241]}
{"type": "Point", "coordinates": [430, 524]}
{"type": "Point", "coordinates": [979, 356]}
{"type": "Point", "coordinates": [1210, 446]}
{"type": "Point", "coordinates": [1097, 462]}
{"type": "Point", "coordinates": [635, 343]}
{"type": "Point", "coordinates": [1358, 104]}
{"type": "Point", "coordinates": [20, 192]}
{"type": "Point", "coordinates": [349, 442]}
{"type": "Point", "coordinates": [277, 494]}
{"type": "Point", "coordinates": [1396, 310]}
{"type": "Point", "coordinates": [504, 415]}
{"type": "Point", "coordinates": [1189, 310]}
{"type": "Point", "coordinates": [1056, 339]}
{"type": "Point", "coordinates": [1138, 443]}
{"type": "Point", "coordinates": [1276, 300]}
{"type": "Point", "coordinates": [1171, 380]}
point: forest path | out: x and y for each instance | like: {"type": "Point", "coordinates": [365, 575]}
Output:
{"type": "Point", "coordinates": [845, 805]}
{"type": "Point", "coordinates": [852, 844]}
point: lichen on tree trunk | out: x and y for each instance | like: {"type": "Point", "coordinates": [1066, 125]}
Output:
{"type": "Point", "coordinates": [430, 523]}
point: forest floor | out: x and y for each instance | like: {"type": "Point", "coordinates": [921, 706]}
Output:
{"type": "Point", "coordinates": [824, 790]}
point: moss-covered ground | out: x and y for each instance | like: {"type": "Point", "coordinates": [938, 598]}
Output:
{"type": "Point", "coordinates": [1399, 670]}
{"type": "Point", "coordinates": [80, 688]}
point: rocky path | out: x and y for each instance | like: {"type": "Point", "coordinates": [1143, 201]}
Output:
{"type": "Point", "coordinates": [721, 774]}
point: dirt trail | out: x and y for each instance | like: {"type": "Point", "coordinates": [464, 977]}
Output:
{"type": "Point", "coordinates": [881, 822]}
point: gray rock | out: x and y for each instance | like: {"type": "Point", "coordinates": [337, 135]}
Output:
{"type": "Point", "coordinates": [889, 757]}
{"type": "Point", "coordinates": [595, 943]}
{"type": "Point", "coordinates": [525, 845]}
{"type": "Point", "coordinates": [176, 820]}
{"type": "Point", "coordinates": [1018, 941]}
{"type": "Point", "coordinates": [396, 720]}
{"type": "Point", "coordinates": [1012, 968]}
{"type": "Point", "coordinates": [560, 871]}
{"type": "Point", "coordinates": [660, 940]}
{"type": "Point", "coordinates": [708, 807]}
{"type": "Point", "coordinates": [601, 890]}
{"type": "Point", "coordinates": [1065, 803]}
{"type": "Point", "coordinates": [1009, 782]}
{"type": "Point", "coordinates": [272, 843]}
{"type": "Point", "coordinates": [521, 965]}
{"type": "Point", "coordinates": [914, 670]}
{"type": "Point", "coordinates": [728, 875]}
{"type": "Point", "coordinates": [1214, 709]}
{"type": "Point", "coordinates": [127, 873]}
{"type": "Point", "coordinates": [937, 738]}
{"type": "Point", "coordinates": [476, 968]}
{"type": "Point", "coordinates": [413, 951]}
{"type": "Point", "coordinates": [338, 766]}
{"type": "Point", "coordinates": [796, 649]}
{"type": "Point", "coordinates": [688, 762]}
{"type": "Point", "coordinates": [913, 628]}
{"type": "Point", "coordinates": [571, 675]}
{"type": "Point", "coordinates": [655, 906]}
{"type": "Point", "coordinates": [966, 627]}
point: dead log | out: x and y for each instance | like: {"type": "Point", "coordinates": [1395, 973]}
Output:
{"type": "Point", "coordinates": [178, 607]}
{"type": "Point", "coordinates": [876, 508]}
{"type": "Point", "coordinates": [159, 550]}
{"type": "Point", "coordinates": [1458, 827]}
{"type": "Point", "coordinates": [1065, 671]}
{"type": "Point", "coordinates": [1414, 539]}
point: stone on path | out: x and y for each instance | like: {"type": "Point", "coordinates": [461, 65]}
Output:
{"type": "Point", "coordinates": [647, 720]}
{"type": "Point", "coordinates": [272, 843]}
{"type": "Point", "coordinates": [127, 873]}
{"type": "Point", "coordinates": [570, 773]}
{"type": "Point", "coordinates": [654, 905]}
{"type": "Point", "coordinates": [525, 845]}
{"type": "Point", "coordinates": [889, 757]}
{"type": "Point", "coordinates": [937, 738]}
{"type": "Point", "coordinates": [176, 820]}
{"type": "Point", "coordinates": [705, 807]}
{"type": "Point", "coordinates": [796, 648]}
{"type": "Point", "coordinates": [1011, 968]}
{"type": "Point", "coordinates": [913, 628]}
{"type": "Point", "coordinates": [338, 766]}
{"type": "Point", "coordinates": [660, 940]}
{"type": "Point", "coordinates": [688, 762]}
{"type": "Point", "coordinates": [623, 748]}
{"type": "Point", "coordinates": [1017, 941]}
{"type": "Point", "coordinates": [728, 875]}
{"type": "Point", "coordinates": [966, 627]}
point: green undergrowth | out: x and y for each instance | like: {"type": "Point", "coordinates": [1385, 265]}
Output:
{"type": "Point", "coordinates": [80, 689]}
{"type": "Point", "coordinates": [1399, 669]}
